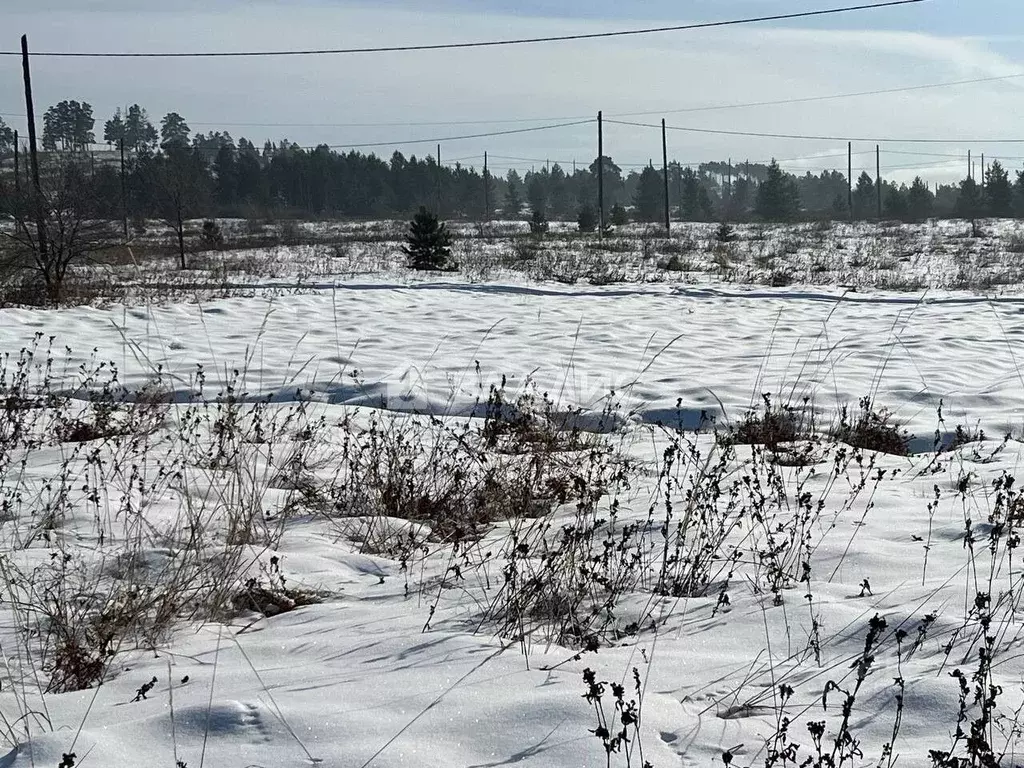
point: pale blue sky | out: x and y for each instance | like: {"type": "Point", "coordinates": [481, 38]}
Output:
{"type": "Point", "coordinates": [961, 17]}
{"type": "Point", "coordinates": [992, 18]}
{"type": "Point", "coordinates": [965, 16]}
{"type": "Point", "coordinates": [323, 99]}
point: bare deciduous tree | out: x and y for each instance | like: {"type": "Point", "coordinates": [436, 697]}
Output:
{"type": "Point", "coordinates": [71, 228]}
{"type": "Point", "coordinates": [178, 186]}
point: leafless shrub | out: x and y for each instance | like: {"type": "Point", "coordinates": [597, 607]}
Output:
{"type": "Point", "coordinates": [872, 429]}
{"type": "Point", "coordinates": [54, 231]}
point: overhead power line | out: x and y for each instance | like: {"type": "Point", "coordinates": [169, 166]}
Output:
{"type": "Point", "coordinates": [392, 124]}
{"type": "Point", "coordinates": [831, 97]}
{"type": "Point", "coordinates": [483, 43]}
{"type": "Point", "coordinates": [443, 139]}
{"type": "Point", "coordinates": [559, 162]}
{"type": "Point", "coordinates": [808, 137]}
{"type": "Point", "coordinates": [737, 164]}
{"type": "Point", "coordinates": [960, 156]}
{"type": "Point", "coordinates": [923, 166]}
{"type": "Point", "coordinates": [436, 139]}
{"type": "Point", "coordinates": [395, 124]}
{"type": "Point", "coordinates": [455, 160]}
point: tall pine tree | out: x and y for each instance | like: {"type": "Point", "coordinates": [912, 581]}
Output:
{"type": "Point", "coordinates": [998, 192]}
{"type": "Point", "coordinates": [513, 197]}
{"type": "Point", "coordinates": [649, 199]}
{"type": "Point", "coordinates": [920, 201]}
{"type": "Point", "coordinates": [174, 131]}
{"type": "Point", "coordinates": [865, 200]}
{"type": "Point", "coordinates": [970, 203]}
{"type": "Point", "coordinates": [694, 203]}
{"type": "Point", "coordinates": [778, 198]}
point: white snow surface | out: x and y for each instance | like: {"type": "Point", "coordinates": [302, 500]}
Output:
{"type": "Point", "coordinates": [434, 347]}
{"type": "Point", "coordinates": [356, 681]}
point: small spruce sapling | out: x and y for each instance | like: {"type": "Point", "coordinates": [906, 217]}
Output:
{"type": "Point", "coordinates": [618, 216]}
{"type": "Point", "coordinates": [211, 236]}
{"type": "Point", "coordinates": [428, 244]}
{"type": "Point", "coordinates": [539, 222]}
{"type": "Point", "coordinates": [586, 219]}
{"type": "Point", "coordinates": [725, 233]}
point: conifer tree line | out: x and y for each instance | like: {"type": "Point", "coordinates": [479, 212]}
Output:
{"type": "Point", "coordinates": [175, 174]}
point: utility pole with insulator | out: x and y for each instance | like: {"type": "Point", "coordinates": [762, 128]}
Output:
{"type": "Point", "coordinates": [849, 177]}
{"type": "Point", "coordinates": [33, 150]}
{"type": "Point", "coordinates": [439, 180]}
{"type": "Point", "coordinates": [487, 192]}
{"type": "Point", "coordinates": [730, 180]}
{"type": "Point", "coordinates": [664, 162]}
{"type": "Point", "coordinates": [878, 178]}
{"type": "Point", "coordinates": [600, 173]}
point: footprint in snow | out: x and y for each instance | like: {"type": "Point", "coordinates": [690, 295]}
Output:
{"type": "Point", "coordinates": [229, 718]}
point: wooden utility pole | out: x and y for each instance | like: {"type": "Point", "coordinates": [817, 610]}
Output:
{"type": "Point", "coordinates": [439, 180]}
{"type": "Point", "coordinates": [849, 177]}
{"type": "Point", "coordinates": [878, 178]}
{"type": "Point", "coordinates": [124, 193]}
{"type": "Point", "coordinates": [983, 170]}
{"type": "Point", "coordinates": [600, 174]}
{"type": "Point", "coordinates": [487, 192]}
{"type": "Point", "coordinates": [37, 188]}
{"type": "Point", "coordinates": [17, 170]}
{"type": "Point", "coordinates": [664, 163]}
{"type": "Point", "coordinates": [970, 165]}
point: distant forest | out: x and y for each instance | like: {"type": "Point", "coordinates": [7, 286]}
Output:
{"type": "Point", "coordinates": [171, 173]}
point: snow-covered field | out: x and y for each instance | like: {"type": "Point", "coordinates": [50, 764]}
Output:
{"type": "Point", "coordinates": [658, 352]}
{"type": "Point", "coordinates": [935, 255]}
{"type": "Point", "coordinates": [391, 521]}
